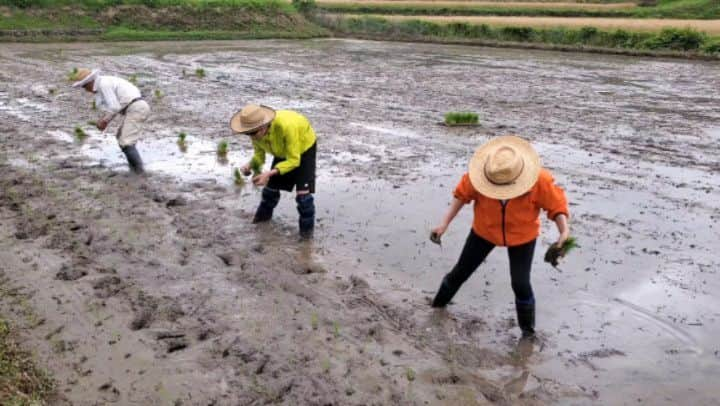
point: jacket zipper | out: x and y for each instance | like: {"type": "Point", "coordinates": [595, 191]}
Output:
{"type": "Point", "coordinates": [504, 203]}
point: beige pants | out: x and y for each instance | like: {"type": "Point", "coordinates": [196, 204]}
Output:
{"type": "Point", "coordinates": [131, 126]}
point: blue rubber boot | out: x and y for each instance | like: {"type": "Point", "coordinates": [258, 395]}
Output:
{"type": "Point", "coordinates": [306, 210]}
{"type": "Point", "coordinates": [270, 199]}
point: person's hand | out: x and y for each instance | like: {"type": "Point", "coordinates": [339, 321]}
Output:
{"type": "Point", "coordinates": [102, 124]}
{"type": "Point", "coordinates": [562, 238]}
{"type": "Point", "coordinates": [439, 230]}
{"type": "Point", "coordinates": [245, 169]}
{"type": "Point", "coordinates": [263, 178]}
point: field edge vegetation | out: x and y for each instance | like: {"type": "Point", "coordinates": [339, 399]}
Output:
{"type": "Point", "coordinates": [667, 42]}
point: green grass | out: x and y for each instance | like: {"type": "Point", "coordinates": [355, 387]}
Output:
{"type": "Point", "coordinates": [670, 40]}
{"type": "Point", "coordinates": [461, 117]}
{"type": "Point", "coordinates": [197, 4]}
{"type": "Point", "coordinates": [158, 94]}
{"type": "Point", "coordinates": [128, 34]}
{"type": "Point", "coordinates": [200, 72]}
{"type": "Point", "coordinates": [133, 79]}
{"type": "Point", "coordinates": [683, 9]}
{"type": "Point", "coordinates": [222, 148]}
{"type": "Point", "coordinates": [181, 138]}
{"type": "Point", "coordinates": [21, 381]}
{"type": "Point", "coordinates": [20, 20]}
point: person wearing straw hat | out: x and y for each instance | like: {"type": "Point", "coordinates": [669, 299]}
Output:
{"type": "Point", "coordinates": [117, 96]}
{"type": "Point", "coordinates": [289, 137]}
{"type": "Point", "coordinates": [509, 187]}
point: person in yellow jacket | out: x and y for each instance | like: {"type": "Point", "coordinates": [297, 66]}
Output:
{"type": "Point", "coordinates": [289, 137]}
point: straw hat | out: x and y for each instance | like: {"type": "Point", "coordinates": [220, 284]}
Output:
{"type": "Point", "coordinates": [85, 76]}
{"type": "Point", "coordinates": [504, 167]}
{"type": "Point", "coordinates": [251, 117]}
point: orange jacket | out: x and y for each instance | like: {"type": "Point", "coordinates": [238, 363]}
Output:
{"type": "Point", "coordinates": [516, 221]}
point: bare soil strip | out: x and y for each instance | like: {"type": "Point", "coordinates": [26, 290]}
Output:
{"type": "Point", "coordinates": [711, 27]}
{"type": "Point", "coordinates": [470, 4]}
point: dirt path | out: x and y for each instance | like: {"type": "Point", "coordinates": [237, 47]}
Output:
{"type": "Point", "coordinates": [711, 27]}
{"type": "Point", "coordinates": [159, 291]}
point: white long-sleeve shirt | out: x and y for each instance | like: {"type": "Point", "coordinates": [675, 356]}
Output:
{"type": "Point", "coordinates": [113, 93]}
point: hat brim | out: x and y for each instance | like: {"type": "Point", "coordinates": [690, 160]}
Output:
{"type": "Point", "coordinates": [527, 179]}
{"type": "Point", "coordinates": [87, 79]}
{"type": "Point", "coordinates": [236, 125]}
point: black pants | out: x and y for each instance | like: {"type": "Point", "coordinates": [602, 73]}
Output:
{"type": "Point", "coordinates": [475, 251]}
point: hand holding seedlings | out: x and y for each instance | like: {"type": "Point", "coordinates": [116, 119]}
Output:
{"type": "Point", "coordinates": [436, 234]}
{"type": "Point", "coordinates": [557, 251]}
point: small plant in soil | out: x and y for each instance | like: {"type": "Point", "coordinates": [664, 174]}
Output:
{"type": "Point", "coordinates": [314, 322]}
{"type": "Point", "coordinates": [410, 374]}
{"type": "Point", "coordinates": [133, 79]}
{"type": "Point", "coordinates": [200, 72]}
{"type": "Point", "coordinates": [461, 118]}
{"type": "Point", "coordinates": [158, 94]}
{"type": "Point", "coordinates": [336, 329]}
{"type": "Point", "coordinates": [222, 148]}
{"type": "Point", "coordinates": [94, 105]}
{"type": "Point", "coordinates": [239, 179]}
{"type": "Point", "coordinates": [80, 134]}
{"type": "Point", "coordinates": [181, 138]}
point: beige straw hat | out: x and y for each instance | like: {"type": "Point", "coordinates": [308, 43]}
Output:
{"type": "Point", "coordinates": [85, 76]}
{"type": "Point", "coordinates": [251, 117]}
{"type": "Point", "coordinates": [504, 167]}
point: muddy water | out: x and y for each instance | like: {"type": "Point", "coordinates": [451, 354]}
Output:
{"type": "Point", "coordinates": [631, 317]}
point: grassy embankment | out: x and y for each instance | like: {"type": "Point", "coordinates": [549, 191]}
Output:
{"type": "Point", "coordinates": [636, 34]}
{"type": "Point", "coordinates": [677, 9]}
{"type": "Point", "coordinates": [21, 382]}
{"type": "Point", "coordinates": [147, 20]}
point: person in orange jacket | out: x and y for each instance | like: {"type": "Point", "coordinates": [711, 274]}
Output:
{"type": "Point", "coordinates": [508, 186]}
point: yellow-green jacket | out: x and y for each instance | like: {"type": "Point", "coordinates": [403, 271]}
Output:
{"type": "Point", "coordinates": [289, 135]}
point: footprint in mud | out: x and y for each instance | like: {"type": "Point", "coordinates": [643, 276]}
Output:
{"type": "Point", "coordinates": [108, 286]}
{"type": "Point", "coordinates": [109, 393]}
{"type": "Point", "coordinates": [70, 273]}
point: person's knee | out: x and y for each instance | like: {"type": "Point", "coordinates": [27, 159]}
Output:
{"type": "Point", "coordinates": [305, 204]}
{"type": "Point", "coordinates": [523, 291]}
{"type": "Point", "coordinates": [270, 196]}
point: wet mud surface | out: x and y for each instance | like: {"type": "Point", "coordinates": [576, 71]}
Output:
{"type": "Point", "coordinates": [158, 290]}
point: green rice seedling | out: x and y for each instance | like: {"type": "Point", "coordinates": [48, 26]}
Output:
{"type": "Point", "coordinates": [256, 168]}
{"type": "Point", "coordinates": [181, 137]}
{"type": "Point", "coordinates": [314, 322]}
{"type": "Point", "coordinates": [239, 179]}
{"type": "Point", "coordinates": [336, 329]}
{"type": "Point", "coordinates": [158, 94]}
{"type": "Point", "coordinates": [80, 134]}
{"type": "Point", "coordinates": [72, 76]}
{"type": "Point", "coordinates": [94, 105]}
{"type": "Point", "coordinates": [461, 118]}
{"type": "Point", "coordinates": [569, 245]}
{"type": "Point", "coordinates": [326, 365]}
{"type": "Point", "coordinates": [222, 148]}
{"type": "Point", "coordinates": [410, 374]}
{"type": "Point", "coordinates": [200, 72]}
{"type": "Point", "coordinates": [92, 123]}
{"type": "Point", "coordinates": [133, 79]}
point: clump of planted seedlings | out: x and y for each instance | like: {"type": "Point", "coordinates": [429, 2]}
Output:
{"type": "Point", "coordinates": [158, 94]}
{"type": "Point", "coordinates": [181, 142]}
{"type": "Point", "coordinates": [200, 72]}
{"type": "Point", "coordinates": [80, 134]}
{"type": "Point", "coordinates": [461, 118]}
{"type": "Point", "coordinates": [222, 148]}
{"type": "Point", "coordinates": [238, 177]}
{"type": "Point", "coordinates": [554, 253]}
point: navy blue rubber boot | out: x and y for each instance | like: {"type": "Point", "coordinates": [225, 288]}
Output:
{"type": "Point", "coordinates": [270, 199]}
{"type": "Point", "coordinates": [133, 157]}
{"type": "Point", "coordinates": [526, 317]}
{"type": "Point", "coordinates": [444, 294]}
{"type": "Point", "coordinates": [306, 210]}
